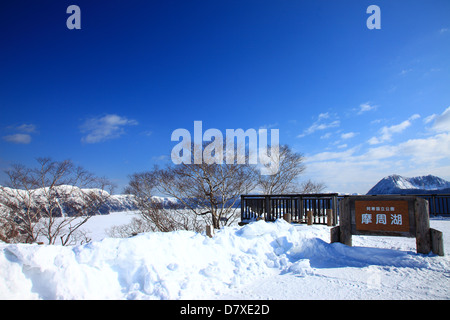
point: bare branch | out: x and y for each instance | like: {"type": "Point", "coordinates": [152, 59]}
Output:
{"type": "Point", "coordinates": [49, 201]}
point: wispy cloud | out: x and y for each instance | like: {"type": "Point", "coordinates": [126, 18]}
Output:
{"type": "Point", "coordinates": [269, 126]}
{"type": "Point", "coordinates": [358, 168]}
{"type": "Point", "coordinates": [24, 137]}
{"type": "Point", "coordinates": [26, 127]}
{"type": "Point", "coordinates": [348, 135]}
{"type": "Point", "coordinates": [320, 124]}
{"type": "Point", "coordinates": [19, 138]}
{"type": "Point", "coordinates": [441, 122]}
{"type": "Point", "coordinates": [364, 107]}
{"type": "Point", "coordinates": [405, 71]}
{"type": "Point", "coordinates": [429, 118]}
{"type": "Point", "coordinates": [387, 132]}
{"type": "Point", "coordinates": [100, 129]}
{"type": "Point", "coordinates": [160, 158]}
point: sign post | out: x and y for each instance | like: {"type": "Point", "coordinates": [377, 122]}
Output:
{"type": "Point", "coordinates": [403, 216]}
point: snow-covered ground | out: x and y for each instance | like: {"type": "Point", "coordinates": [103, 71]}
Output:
{"type": "Point", "coordinates": [258, 261]}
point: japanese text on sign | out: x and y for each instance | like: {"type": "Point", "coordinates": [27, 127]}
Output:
{"type": "Point", "coordinates": [382, 216]}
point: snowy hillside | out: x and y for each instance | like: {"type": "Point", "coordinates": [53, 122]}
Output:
{"type": "Point", "coordinates": [395, 184]}
{"type": "Point", "coordinates": [113, 203]}
{"type": "Point", "coordinates": [258, 261]}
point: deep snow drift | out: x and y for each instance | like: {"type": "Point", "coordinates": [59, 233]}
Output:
{"type": "Point", "coordinates": [258, 261]}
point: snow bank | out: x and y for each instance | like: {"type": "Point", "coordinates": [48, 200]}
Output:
{"type": "Point", "coordinates": [185, 265]}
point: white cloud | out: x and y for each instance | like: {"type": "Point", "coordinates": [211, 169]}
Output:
{"type": "Point", "coordinates": [269, 126]}
{"type": "Point", "coordinates": [320, 125]}
{"type": "Point", "coordinates": [147, 133]}
{"type": "Point", "coordinates": [325, 115]}
{"type": "Point", "coordinates": [429, 118]}
{"type": "Point", "coordinates": [364, 107]}
{"type": "Point", "coordinates": [444, 30]}
{"type": "Point", "coordinates": [357, 169]}
{"type": "Point", "coordinates": [28, 128]}
{"type": "Point", "coordinates": [328, 155]}
{"type": "Point", "coordinates": [160, 158]}
{"type": "Point", "coordinates": [441, 122]}
{"type": "Point", "coordinates": [19, 138]}
{"type": "Point", "coordinates": [24, 137]}
{"type": "Point", "coordinates": [374, 140]}
{"type": "Point", "coordinates": [387, 132]}
{"type": "Point", "coordinates": [25, 128]}
{"type": "Point", "coordinates": [405, 71]}
{"type": "Point", "coordinates": [105, 128]}
{"type": "Point", "coordinates": [427, 150]}
{"type": "Point", "coordinates": [348, 135]}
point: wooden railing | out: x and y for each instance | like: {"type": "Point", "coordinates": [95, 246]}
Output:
{"type": "Point", "coordinates": [299, 208]}
{"type": "Point", "coordinates": [319, 208]}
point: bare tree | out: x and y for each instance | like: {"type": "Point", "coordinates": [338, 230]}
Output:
{"type": "Point", "coordinates": [311, 187]}
{"type": "Point", "coordinates": [51, 201]}
{"type": "Point", "coordinates": [209, 190]}
{"type": "Point", "coordinates": [155, 215]}
{"type": "Point", "coordinates": [284, 179]}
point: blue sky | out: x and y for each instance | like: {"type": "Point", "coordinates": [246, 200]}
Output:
{"type": "Point", "coordinates": [360, 104]}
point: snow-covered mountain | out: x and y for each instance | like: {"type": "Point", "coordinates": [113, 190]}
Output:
{"type": "Point", "coordinates": [126, 202]}
{"type": "Point", "coordinates": [396, 184]}
{"type": "Point", "coordinates": [118, 202]}
{"type": "Point", "coordinates": [113, 203]}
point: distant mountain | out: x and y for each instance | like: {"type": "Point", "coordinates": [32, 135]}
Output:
{"type": "Point", "coordinates": [113, 203]}
{"type": "Point", "coordinates": [126, 202]}
{"type": "Point", "coordinates": [118, 202]}
{"type": "Point", "coordinates": [396, 184]}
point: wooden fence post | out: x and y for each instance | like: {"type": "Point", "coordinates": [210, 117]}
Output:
{"type": "Point", "coordinates": [423, 236]}
{"type": "Point", "coordinates": [309, 215]}
{"type": "Point", "coordinates": [210, 231]}
{"type": "Point", "coordinates": [242, 207]}
{"type": "Point", "coordinates": [437, 242]}
{"type": "Point", "coordinates": [335, 234]}
{"type": "Point", "coordinates": [330, 221]}
{"type": "Point", "coordinates": [268, 217]}
{"type": "Point", "coordinates": [427, 239]}
{"type": "Point", "coordinates": [335, 210]}
{"type": "Point", "coordinates": [345, 221]}
{"type": "Point", "coordinates": [287, 217]}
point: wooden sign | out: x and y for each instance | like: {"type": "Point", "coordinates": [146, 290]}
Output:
{"type": "Point", "coordinates": [382, 216]}
{"type": "Point", "coordinates": [405, 216]}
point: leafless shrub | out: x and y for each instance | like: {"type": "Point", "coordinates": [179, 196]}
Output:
{"type": "Point", "coordinates": [284, 180]}
{"type": "Point", "coordinates": [156, 215]}
{"type": "Point", "coordinates": [209, 189]}
{"type": "Point", "coordinates": [51, 201]}
{"type": "Point", "coordinates": [311, 187]}
{"type": "Point", "coordinates": [206, 192]}
{"type": "Point", "coordinates": [131, 229]}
